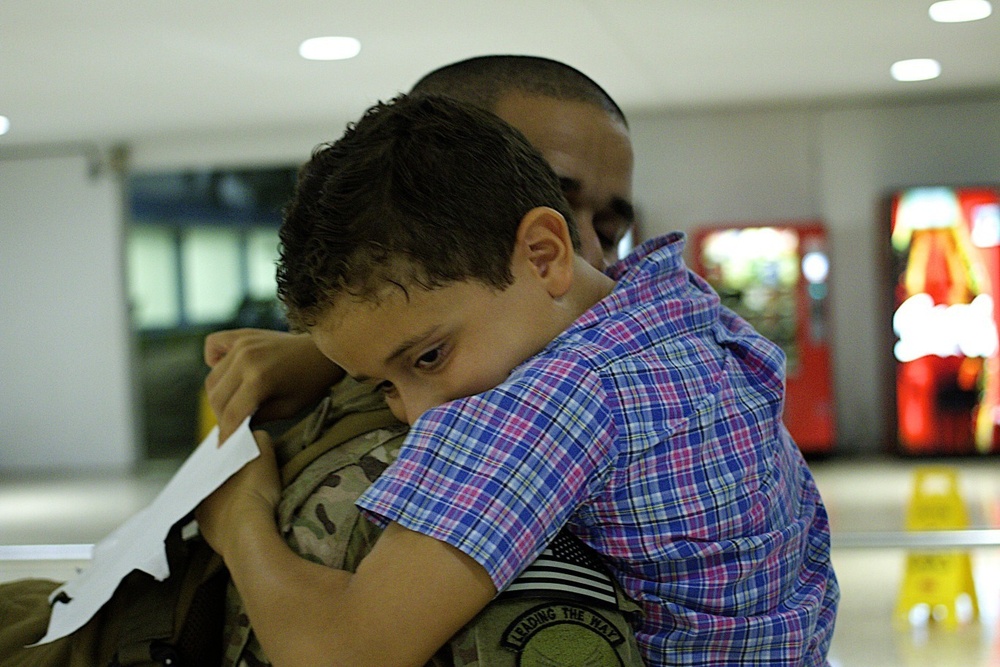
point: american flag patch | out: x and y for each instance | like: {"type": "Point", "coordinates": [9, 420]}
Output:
{"type": "Point", "coordinates": [567, 569]}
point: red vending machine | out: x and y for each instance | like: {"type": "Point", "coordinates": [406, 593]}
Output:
{"type": "Point", "coordinates": [946, 316]}
{"type": "Point", "coordinates": [776, 276]}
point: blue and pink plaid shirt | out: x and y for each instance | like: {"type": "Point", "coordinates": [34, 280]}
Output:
{"type": "Point", "coordinates": [652, 428]}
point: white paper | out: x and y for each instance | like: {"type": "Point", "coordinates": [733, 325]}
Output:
{"type": "Point", "coordinates": [138, 544]}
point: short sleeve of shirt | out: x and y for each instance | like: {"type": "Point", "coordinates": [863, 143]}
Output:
{"type": "Point", "coordinates": [498, 474]}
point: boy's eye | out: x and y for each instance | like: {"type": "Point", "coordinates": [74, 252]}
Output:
{"type": "Point", "coordinates": [429, 359]}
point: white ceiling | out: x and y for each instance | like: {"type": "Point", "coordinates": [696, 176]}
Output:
{"type": "Point", "coordinates": [121, 70]}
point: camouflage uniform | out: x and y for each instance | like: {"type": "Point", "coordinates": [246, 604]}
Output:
{"type": "Point", "coordinates": [328, 460]}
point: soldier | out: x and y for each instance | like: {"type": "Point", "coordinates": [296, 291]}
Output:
{"type": "Point", "coordinates": [333, 454]}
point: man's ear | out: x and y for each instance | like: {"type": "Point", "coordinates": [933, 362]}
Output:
{"type": "Point", "coordinates": [543, 237]}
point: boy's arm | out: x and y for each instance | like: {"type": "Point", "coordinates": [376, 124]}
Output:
{"type": "Point", "coordinates": [409, 595]}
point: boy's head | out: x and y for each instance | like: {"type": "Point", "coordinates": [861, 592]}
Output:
{"type": "Point", "coordinates": [422, 191]}
{"type": "Point", "coordinates": [430, 251]}
{"type": "Point", "coordinates": [571, 121]}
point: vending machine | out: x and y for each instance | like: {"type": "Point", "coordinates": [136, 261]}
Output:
{"type": "Point", "coordinates": [776, 276]}
{"type": "Point", "coordinates": [945, 250]}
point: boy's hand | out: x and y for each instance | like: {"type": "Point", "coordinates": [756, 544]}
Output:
{"type": "Point", "coordinates": [269, 374]}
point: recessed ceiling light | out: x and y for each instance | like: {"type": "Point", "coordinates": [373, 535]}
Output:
{"type": "Point", "coordinates": [329, 48]}
{"type": "Point", "coordinates": [958, 11]}
{"type": "Point", "coordinates": [4, 124]}
{"type": "Point", "coordinates": [917, 69]}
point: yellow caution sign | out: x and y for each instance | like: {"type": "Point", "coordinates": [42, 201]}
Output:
{"type": "Point", "coordinates": [938, 585]}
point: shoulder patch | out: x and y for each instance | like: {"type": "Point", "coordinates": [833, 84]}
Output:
{"type": "Point", "coordinates": [559, 634]}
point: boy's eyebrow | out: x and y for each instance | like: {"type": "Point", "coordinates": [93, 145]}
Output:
{"type": "Point", "coordinates": [402, 349]}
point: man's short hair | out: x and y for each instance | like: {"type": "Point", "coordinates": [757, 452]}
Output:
{"type": "Point", "coordinates": [422, 190]}
{"type": "Point", "coordinates": [485, 80]}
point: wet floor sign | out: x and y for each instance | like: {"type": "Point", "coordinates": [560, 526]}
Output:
{"type": "Point", "coordinates": [937, 585]}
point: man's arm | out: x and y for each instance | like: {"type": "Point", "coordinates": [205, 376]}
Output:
{"type": "Point", "coordinates": [408, 596]}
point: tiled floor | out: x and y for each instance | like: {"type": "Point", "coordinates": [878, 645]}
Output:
{"type": "Point", "coordinates": [863, 497]}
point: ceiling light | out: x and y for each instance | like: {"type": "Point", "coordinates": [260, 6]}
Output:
{"type": "Point", "coordinates": [4, 124]}
{"type": "Point", "coordinates": [958, 11]}
{"type": "Point", "coordinates": [329, 48]}
{"type": "Point", "coordinates": [917, 69]}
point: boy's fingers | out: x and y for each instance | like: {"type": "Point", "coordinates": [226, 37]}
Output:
{"type": "Point", "coordinates": [230, 396]}
{"type": "Point", "coordinates": [225, 431]}
{"type": "Point", "coordinates": [218, 344]}
{"type": "Point", "coordinates": [229, 420]}
{"type": "Point", "coordinates": [221, 380]}
{"type": "Point", "coordinates": [232, 405]}
{"type": "Point", "coordinates": [234, 385]}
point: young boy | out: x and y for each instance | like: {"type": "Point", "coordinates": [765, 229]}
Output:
{"type": "Point", "coordinates": [567, 116]}
{"type": "Point", "coordinates": [431, 251]}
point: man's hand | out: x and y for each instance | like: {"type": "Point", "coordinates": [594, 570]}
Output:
{"type": "Point", "coordinates": [269, 374]}
{"type": "Point", "coordinates": [409, 595]}
{"type": "Point", "coordinates": [254, 491]}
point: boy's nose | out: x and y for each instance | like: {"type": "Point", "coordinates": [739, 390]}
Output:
{"type": "Point", "coordinates": [405, 408]}
{"type": "Point", "coordinates": [414, 406]}
{"type": "Point", "coordinates": [397, 410]}
{"type": "Point", "coordinates": [413, 410]}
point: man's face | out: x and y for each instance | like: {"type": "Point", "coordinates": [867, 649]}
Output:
{"type": "Point", "coordinates": [427, 347]}
{"type": "Point", "coordinates": [591, 153]}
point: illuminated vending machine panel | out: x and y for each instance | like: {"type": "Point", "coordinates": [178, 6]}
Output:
{"type": "Point", "coordinates": [946, 274]}
{"type": "Point", "coordinates": [776, 276]}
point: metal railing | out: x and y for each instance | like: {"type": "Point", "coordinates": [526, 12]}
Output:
{"type": "Point", "coordinates": [972, 538]}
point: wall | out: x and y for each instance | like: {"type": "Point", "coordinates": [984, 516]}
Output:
{"type": "Point", "coordinates": [65, 348]}
{"type": "Point", "coordinates": [66, 391]}
{"type": "Point", "coordinates": [835, 164]}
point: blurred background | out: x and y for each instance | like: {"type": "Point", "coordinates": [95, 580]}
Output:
{"type": "Point", "coordinates": [146, 150]}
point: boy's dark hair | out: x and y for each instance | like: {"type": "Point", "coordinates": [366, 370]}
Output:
{"type": "Point", "coordinates": [422, 190]}
{"type": "Point", "coordinates": [485, 80]}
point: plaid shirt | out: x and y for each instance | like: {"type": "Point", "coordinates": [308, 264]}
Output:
{"type": "Point", "coordinates": [652, 428]}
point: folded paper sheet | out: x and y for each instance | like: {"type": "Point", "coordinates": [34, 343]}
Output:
{"type": "Point", "coordinates": [138, 544]}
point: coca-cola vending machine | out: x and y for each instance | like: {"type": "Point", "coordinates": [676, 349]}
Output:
{"type": "Point", "coordinates": [776, 276]}
{"type": "Point", "coordinates": [945, 250]}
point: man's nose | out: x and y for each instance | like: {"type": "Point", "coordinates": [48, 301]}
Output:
{"type": "Point", "coordinates": [590, 244]}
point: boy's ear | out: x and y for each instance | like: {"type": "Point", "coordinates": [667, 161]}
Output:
{"type": "Point", "coordinates": [543, 236]}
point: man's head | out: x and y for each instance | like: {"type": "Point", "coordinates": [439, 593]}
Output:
{"type": "Point", "coordinates": [571, 121]}
{"type": "Point", "coordinates": [423, 191]}
{"type": "Point", "coordinates": [484, 81]}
